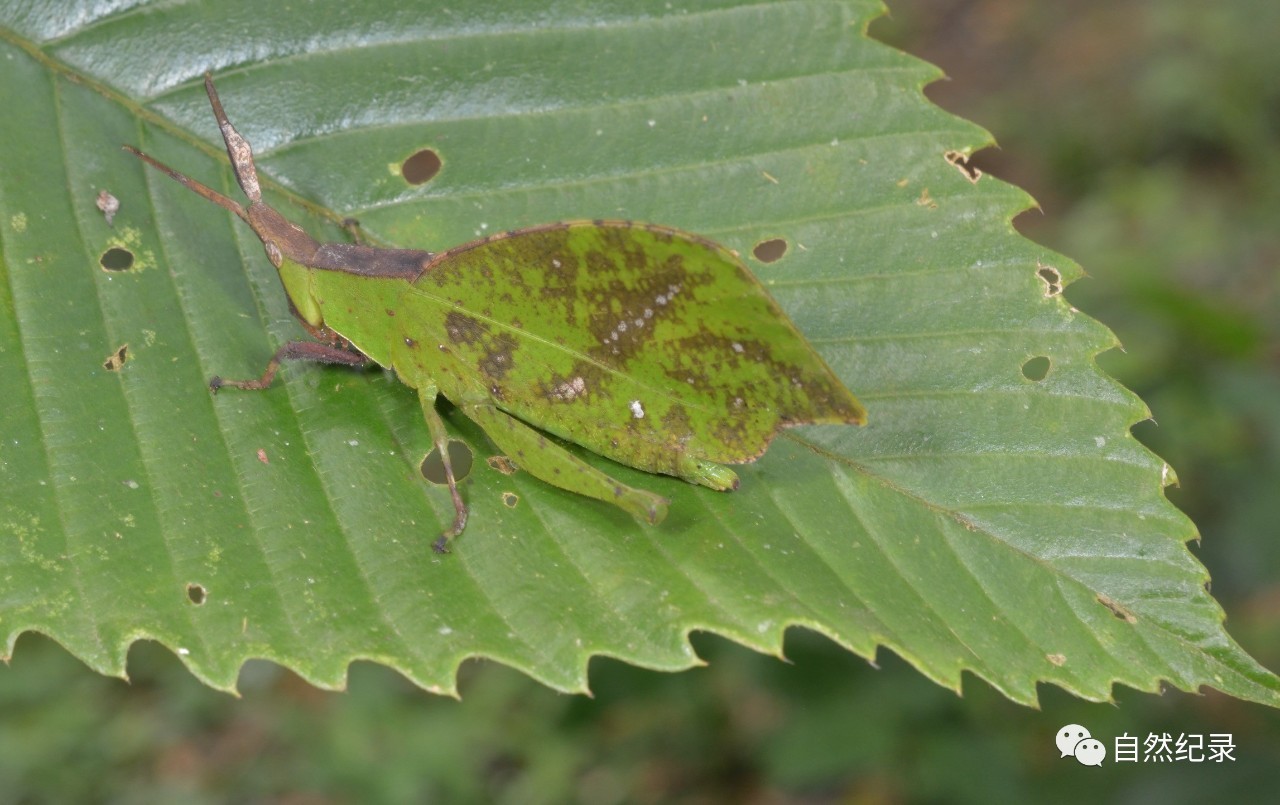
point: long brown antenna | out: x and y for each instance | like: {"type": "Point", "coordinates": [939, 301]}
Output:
{"type": "Point", "coordinates": [237, 147]}
{"type": "Point", "coordinates": [191, 184]}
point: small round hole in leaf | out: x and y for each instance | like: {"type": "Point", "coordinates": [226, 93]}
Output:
{"type": "Point", "coordinates": [1036, 368]}
{"type": "Point", "coordinates": [421, 167]}
{"type": "Point", "coordinates": [767, 251]}
{"type": "Point", "coordinates": [197, 593]}
{"type": "Point", "coordinates": [432, 468]}
{"type": "Point", "coordinates": [116, 259]}
{"type": "Point", "coordinates": [510, 499]}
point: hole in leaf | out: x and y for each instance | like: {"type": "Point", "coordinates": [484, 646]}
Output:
{"type": "Point", "coordinates": [197, 593]}
{"type": "Point", "coordinates": [116, 359]}
{"type": "Point", "coordinates": [1052, 279]}
{"type": "Point", "coordinates": [767, 251]}
{"type": "Point", "coordinates": [502, 464]}
{"type": "Point", "coordinates": [961, 162]}
{"type": "Point", "coordinates": [1119, 611]}
{"type": "Point", "coordinates": [432, 468]}
{"type": "Point", "coordinates": [510, 499]}
{"type": "Point", "coordinates": [1036, 369]}
{"type": "Point", "coordinates": [116, 259]}
{"type": "Point", "coordinates": [421, 167]}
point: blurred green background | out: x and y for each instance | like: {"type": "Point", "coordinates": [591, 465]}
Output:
{"type": "Point", "coordinates": [1150, 134]}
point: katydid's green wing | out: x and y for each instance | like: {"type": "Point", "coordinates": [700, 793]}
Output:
{"type": "Point", "coordinates": [638, 342]}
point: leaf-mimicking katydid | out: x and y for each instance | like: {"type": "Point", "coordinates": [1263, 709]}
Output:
{"type": "Point", "coordinates": [650, 346]}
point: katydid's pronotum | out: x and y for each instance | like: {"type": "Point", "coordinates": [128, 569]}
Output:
{"type": "Point", "coordinates": [647, 345]}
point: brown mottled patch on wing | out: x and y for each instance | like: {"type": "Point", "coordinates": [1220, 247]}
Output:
{"type": "Point", "coordinates": [499, 351]}
{"type": "Point", "coordinates": [464, 329]}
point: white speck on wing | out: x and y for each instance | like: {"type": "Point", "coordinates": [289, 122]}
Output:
{"type": "Point", "coordinates": [570, 389]}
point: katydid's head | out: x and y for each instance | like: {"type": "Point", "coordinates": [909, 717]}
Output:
{"type": "Point", "coordinates": [280, 237]}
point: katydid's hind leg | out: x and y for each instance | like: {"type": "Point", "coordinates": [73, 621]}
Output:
{"type": "Point", "coordinates": [548, 461]}
{"type": "Point", "coordinates": [705, 473]}
{"type": "Point", "coordinates": [293, 351]}
{"type": "Point", "coordinates": [440, 439]}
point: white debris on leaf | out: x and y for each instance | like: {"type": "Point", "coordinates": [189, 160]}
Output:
{"type": "Point", "coordinates": [109, 205]}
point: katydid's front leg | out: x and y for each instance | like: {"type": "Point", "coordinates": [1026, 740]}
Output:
{"type": "Point", "coordinates": [440, 439]}
{"type": "Point", "coordinates": [293, 351]}
{"type": "Point", "coordinates": [548, 461]}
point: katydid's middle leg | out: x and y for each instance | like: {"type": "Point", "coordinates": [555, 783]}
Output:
{"type": "Point", "coordinates": [548, 461]}
{"type": "Point", "coordinates": [440, 439]}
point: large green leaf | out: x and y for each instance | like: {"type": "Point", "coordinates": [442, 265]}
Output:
{"type": "Point", "coordinates": [983, 520]}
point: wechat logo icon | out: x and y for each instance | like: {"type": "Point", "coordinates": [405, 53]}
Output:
{"type": "Point", "coordinates": [1075, 740]}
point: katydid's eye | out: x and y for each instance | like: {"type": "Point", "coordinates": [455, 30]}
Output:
{"type": "Point", "coordinates": [273, 253]}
